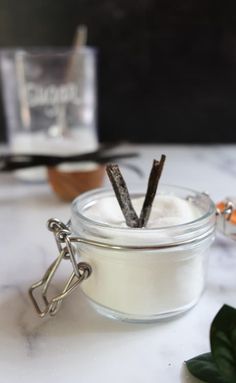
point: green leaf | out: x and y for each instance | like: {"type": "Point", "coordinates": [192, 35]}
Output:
{"type": "Point", "coordinates": [223, 342]}
{"type": "Point", "coordinates": [204, 368]}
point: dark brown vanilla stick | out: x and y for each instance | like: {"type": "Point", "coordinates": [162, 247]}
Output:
{"type": "Point", "coordinates": [153, 181]}
{"type": "Point", "coordinates": [122, 195]}
{"type": "Point", "coordinates": [10, 162]}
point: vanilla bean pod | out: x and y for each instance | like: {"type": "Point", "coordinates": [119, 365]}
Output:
{"type": "Point", "coordinates": [122, 195]}
{"type": "Point", "coordinates": [153, 181]}
{"type": "Point", "coordinates": [12, 162]}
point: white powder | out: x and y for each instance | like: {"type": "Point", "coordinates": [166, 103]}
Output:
{"type": "Point", "coordinates": [166, 211]}
{"type": "Point", "coordinates": [144, 284]}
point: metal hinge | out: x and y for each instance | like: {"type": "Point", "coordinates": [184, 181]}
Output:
{"type": "Point", "coordinates": [81, 271]}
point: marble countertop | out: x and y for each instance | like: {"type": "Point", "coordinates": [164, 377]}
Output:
{"type": "Point", "coordinates": [79, 344]}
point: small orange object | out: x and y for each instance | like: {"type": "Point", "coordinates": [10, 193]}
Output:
{"type": "Point", "coordinates": [222, 206]}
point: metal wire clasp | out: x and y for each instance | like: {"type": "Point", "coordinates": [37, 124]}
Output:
{"type": "Point", "coordinates": [81, 271]}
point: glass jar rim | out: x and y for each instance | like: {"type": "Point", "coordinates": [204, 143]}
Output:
{"type": "Point", "coordinates": [83, 198]}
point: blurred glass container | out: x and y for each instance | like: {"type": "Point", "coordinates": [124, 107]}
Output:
{"type": "Point", "coordinates": [50, 102]}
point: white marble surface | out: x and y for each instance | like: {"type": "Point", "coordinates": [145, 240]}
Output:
{"type": "Point", "coordinates": [79, 345]}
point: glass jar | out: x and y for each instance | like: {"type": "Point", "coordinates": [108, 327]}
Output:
{"type": "Point", "coordinates": [143, 275]}
{"type": "Point", "coordinates": [49, 97]}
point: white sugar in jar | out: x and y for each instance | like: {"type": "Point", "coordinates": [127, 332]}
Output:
{"type": "Point", "coordinates": [144, 274]}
